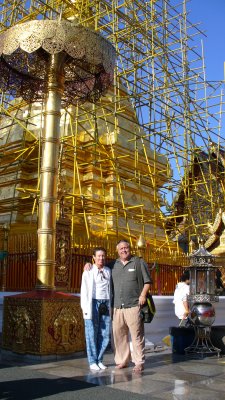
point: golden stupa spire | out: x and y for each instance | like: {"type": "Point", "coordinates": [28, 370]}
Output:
{"type": "Point", "coordinates": [81, 11]}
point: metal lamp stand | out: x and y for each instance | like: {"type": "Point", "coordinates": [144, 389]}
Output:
{"type": "Point", "coordinates": [202, 344]}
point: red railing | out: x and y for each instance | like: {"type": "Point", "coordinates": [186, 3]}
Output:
{"type": "Point", "coordinates": [21, 273]}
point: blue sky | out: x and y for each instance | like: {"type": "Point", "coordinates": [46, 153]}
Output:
{"type": "Point", "coordinates": [211, 14]}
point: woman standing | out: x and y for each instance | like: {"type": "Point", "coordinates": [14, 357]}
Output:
{"type": "Point", "coordinates": [95, 304]}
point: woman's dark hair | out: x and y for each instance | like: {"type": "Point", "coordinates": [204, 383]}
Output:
{"type": "Point", "coordinates": [185, 276]}
{"type": "Point", "coordinates": [98, 249]}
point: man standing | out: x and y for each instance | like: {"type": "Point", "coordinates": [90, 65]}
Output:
{"type": "Point", "coordinates": [127, 301]}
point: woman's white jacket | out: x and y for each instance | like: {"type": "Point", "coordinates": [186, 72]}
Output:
{"type": "Point", "coordinates": [86, 292]}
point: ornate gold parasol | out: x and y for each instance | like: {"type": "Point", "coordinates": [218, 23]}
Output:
{"type": "Point", "coordinates": [26, 50]}
{"type": "Point", "coordinates": [62, 63]}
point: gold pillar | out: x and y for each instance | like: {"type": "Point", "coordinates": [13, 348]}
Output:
{"type": "Point", "coordinates": [45, 322]}
{"type": "Point", "coordinates": [48, 178]}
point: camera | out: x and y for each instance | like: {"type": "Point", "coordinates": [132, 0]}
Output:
{"type": "Point", "coordinates": [142, 314]}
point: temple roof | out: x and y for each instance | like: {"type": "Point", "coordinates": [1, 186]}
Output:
{"type": "Point", "coordinates": [201, 188]}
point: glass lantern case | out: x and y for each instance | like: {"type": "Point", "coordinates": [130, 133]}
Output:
{"type": "Point", "coordinates": [202, 277]}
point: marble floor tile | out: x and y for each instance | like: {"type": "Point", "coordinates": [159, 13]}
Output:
{"type": "Point", "coordinates": [216, 384]}
{"type": "Point", "coordinates": [204, 370]}
{"type": "Point", "coordinates": [40, 366]}
{"type": "Point", "coordinates": [143, 385]}
{"type": "Point", "coordinates": [65, 372]}
{"type": "Point", "coordinates": [186, 392]}
{"type": "Point", "coordinates": [159, 376]}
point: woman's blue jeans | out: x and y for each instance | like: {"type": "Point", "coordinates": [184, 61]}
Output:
{"type": "Point", "coordinates": [97, 332]}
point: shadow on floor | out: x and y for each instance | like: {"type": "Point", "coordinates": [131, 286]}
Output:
{"type": "Point", "coordinates": [61, 389]}
{"type": "Point", "coordinates": [36, 388]}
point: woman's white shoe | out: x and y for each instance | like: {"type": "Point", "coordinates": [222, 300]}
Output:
{"type": "Point", "coordinates": [94, 367]}
{"type": "Point", "coordinates": [101, 366]}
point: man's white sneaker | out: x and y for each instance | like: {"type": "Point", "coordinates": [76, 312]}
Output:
{"type": "Point", "coordinates": [94, 367]}
{"type": "Point", "coordinates": [101, 366]}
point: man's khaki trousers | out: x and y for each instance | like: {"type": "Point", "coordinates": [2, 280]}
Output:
{"type": "Point", "coordinates": [125, 321]}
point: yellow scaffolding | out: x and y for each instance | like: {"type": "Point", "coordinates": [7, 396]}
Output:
{"type": "Point", "coordinates": [148, 158]}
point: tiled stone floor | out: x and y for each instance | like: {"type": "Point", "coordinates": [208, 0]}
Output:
{"type": "Point", "coordinates": [166, 376]}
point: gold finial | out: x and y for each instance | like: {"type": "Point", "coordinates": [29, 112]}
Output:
{"type": "Point", "coordinates": [191, 246]}
{"type": "Point", "coordinates": [201, 242]}
{"type": "Point", "coordinates": [80, 11]}
{"type": "Point", "coordinates": [141, 245]}
{"type": "Point", "coordinates": [141, 242]}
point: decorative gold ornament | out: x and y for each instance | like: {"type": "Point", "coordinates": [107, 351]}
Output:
{"type": "Point", "coordinates": [43, 323]}
{"type": "Point", "coordinates": [63, 254]}
{"type": "Point", "coordinates": [22, 325]}
{"type": "Point", "coordinates": [217, 238]}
